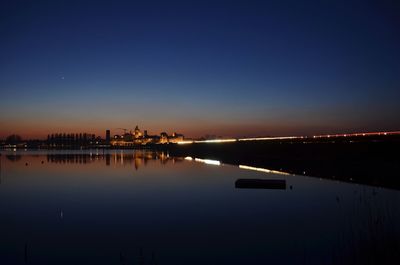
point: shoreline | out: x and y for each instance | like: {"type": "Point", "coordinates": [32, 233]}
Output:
{"type": "Point", "coordinates": [365, 160]}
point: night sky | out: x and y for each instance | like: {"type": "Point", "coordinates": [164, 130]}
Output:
{"type": "Point", "coordinates": [229, 68]}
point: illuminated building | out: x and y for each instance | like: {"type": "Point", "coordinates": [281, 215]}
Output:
{"type": "Point", "coordinates": [138, 138]}
{"type": "Point", "coordinates": [176, 137]}
{"type": "Point", "coordinates": [138, 133]}
{"type": "Point", "coordinates": [163, 138]}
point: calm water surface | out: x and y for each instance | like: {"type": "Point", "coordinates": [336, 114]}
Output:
{"type": "Point", "coordinates": [136, 207]}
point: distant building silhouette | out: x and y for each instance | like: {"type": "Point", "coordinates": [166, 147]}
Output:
{"type": "Point", "coordinates": [108, 136]}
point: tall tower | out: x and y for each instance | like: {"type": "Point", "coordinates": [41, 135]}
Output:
{"type": "Point", "coordinates": [108, 136]}
{"type": "Point", "coordinates": [138, 133]}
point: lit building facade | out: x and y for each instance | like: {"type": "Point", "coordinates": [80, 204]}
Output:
{"type": "Point", "coordinates": [143, 138]}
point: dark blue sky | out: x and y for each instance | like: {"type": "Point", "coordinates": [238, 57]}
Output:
{"type": "Point", "coordinates": [230, 68]}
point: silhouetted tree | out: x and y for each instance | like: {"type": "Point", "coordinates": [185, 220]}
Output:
{"type": "Point", "coordinates": [13, 139]}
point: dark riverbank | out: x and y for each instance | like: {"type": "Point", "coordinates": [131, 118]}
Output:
{"type": "Point", "coordinates": [367, 160]}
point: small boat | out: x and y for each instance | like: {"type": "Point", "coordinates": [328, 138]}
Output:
{"type": "Point", "coordinates": [279, 184]}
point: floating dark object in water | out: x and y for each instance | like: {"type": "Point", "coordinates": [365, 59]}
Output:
{"type": "Point", "coordinates": [261, 184]}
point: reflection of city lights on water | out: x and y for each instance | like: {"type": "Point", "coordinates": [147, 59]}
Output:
{"type": "Point", "coordinates": [263, 170]}
{"type": "Point", "coordinates": [208, 161]}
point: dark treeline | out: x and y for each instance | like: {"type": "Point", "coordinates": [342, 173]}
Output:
{"type": "Point", "coordinates": [55, 141]}
{"type": "Point", "coordinates": [72, 139]}
{"type": "Point", "coordinates": [13, 139]}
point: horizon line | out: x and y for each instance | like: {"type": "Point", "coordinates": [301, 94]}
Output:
{"type": "Point", "coordinates": [233, 139]}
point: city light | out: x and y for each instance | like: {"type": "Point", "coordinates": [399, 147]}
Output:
{"type": "Point", "coordinates": [185, 142]}
{"type": "Point", "coordinates": [216, 141]}
{"type": "Point", "coordinates": [270, 138]}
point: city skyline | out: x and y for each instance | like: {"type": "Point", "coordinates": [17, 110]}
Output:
{"type": "Point", "coordinates": [243, 69]}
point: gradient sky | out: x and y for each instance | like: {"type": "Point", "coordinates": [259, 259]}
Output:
{"type": "Point", "coordinates": [230, 68]}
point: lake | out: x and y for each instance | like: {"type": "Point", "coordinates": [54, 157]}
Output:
{"type": "Point", "coordinates": [144, 207]}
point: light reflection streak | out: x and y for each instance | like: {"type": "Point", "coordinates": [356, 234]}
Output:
{"type": "Point", "coordinates": [263, 170]}
{"type": "Point", "coordinates": [208, 161]}
{"type": "Point", "coordinates": [218, 163]}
